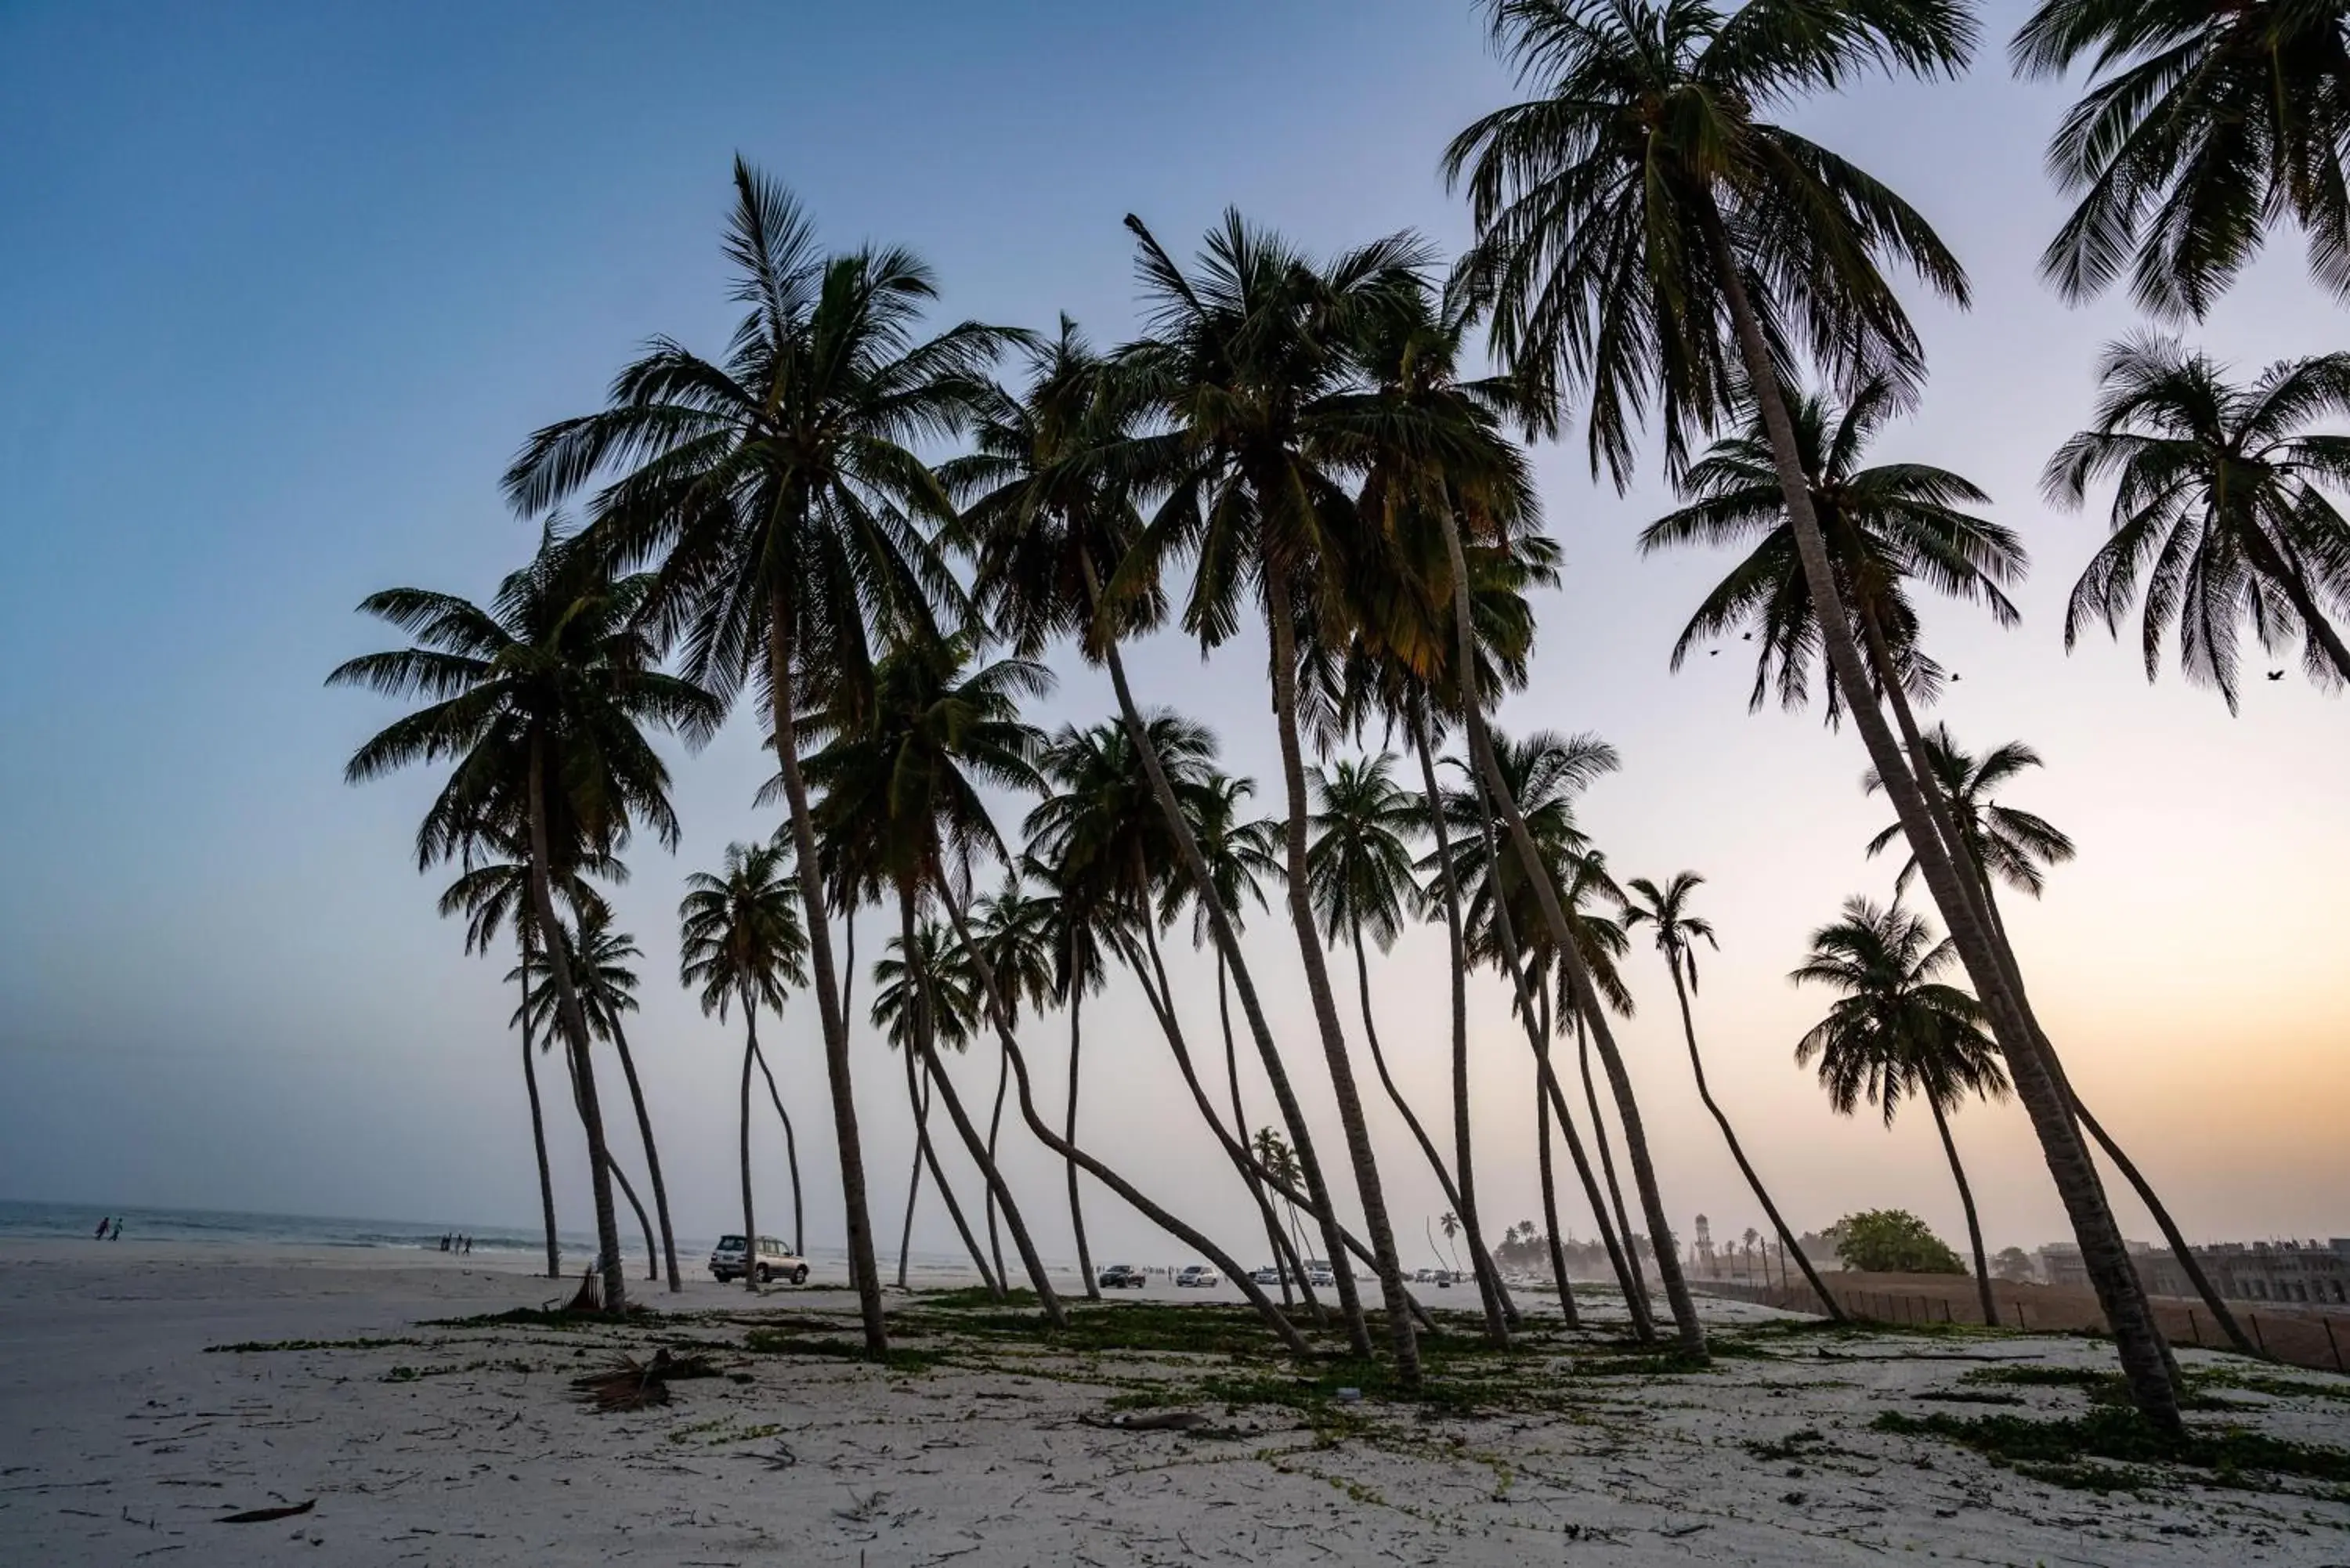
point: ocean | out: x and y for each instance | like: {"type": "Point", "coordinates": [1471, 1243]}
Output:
{"type": "Point", "coordinates": [75, 1220]}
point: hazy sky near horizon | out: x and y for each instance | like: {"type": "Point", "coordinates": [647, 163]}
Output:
{"type": "Point", "coordinates": [281, 290]}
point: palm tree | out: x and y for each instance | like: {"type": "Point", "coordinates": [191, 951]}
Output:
{"type": "Point", "coordinates": [540, 703]}
{"type": "Point", "coordinates": [2218, 492]}
{"type": "Point", "coordinates": [740, 940]}
{"type": "Point", "coordinates": [1665, 911]}
{"type": "Point", "coordinates": [488, 893]}
{"type": "Point", "coordinates": [922, 997]}
{"type": "Point", "coordinates": [2003, 844]}
{"type": "Point", "coordinates": [902, 772]}
{"type": "Point", "coordinates": [1253, 363]}
{"type": "Point", "coordinates": [1051, 516]}
{"type": "Point", "coordinates": [1887, 526]}
{"type": "Point", "coordinates": [1015, 928]}
{"type": "Point", "coordinates": [600, 958]}
{"type": "Point", "coordinates": [2204, 124]}
{"type": "Point", "coordinates": [778, 491]}
{"type": "Point", "coordinates": [1644, 233]}
{"type": "Point", "coordinates": [1896, 1030]}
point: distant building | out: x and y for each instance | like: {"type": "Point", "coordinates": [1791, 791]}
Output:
{"type": "Point", "coordinates": [2311, 1272]}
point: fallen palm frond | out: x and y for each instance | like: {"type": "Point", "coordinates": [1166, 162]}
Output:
{"type": "Point", "coordinates": [627, 1384]}
{"type": "Point", "coordinates": [264, 1515]}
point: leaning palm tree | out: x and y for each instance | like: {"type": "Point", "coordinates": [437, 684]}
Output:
{"type": "Point", "coordinates": [1050, 517]}
{"type": "Point", "coordinates": [600, 957]}
{"type": "Point", "coordinates": [1645, 234]}
{"type": "Point", "coordinates": [490, 892]}
{"type": "Point", "coordinates": [778, 494]}
{"type": "Point", "coordinates": [922, 997]}
{"type": "Point", "coordinates": [740, 940]}
{"type": "Point", "coordinates": [2221, 500]}
{"type": "Point", "coordinates": [540, 702]}
{"type": "Point", "coordinates": [2205, 123]}
{"type": "Point", "coordinates": [2003, 844]}
{"type": "Point", "coordinates": [1896, 1030]}
{"type": "Point", "coordinates": [1888, 527]}
{"type": "Point", "coordinates": [1665, 911]}
{"type": "Point", "coordinates": [1254, 364]}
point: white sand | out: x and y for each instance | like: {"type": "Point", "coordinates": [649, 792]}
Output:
{"type": "Point", "coordinates": [122, 1440]}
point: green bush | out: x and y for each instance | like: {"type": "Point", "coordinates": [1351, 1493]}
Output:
{"type": "Point", "coordinates": [1892, 1242]}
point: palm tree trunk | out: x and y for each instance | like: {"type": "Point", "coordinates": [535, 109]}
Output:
{"type": "Point", "coordinates": [537, 1118]}
{"type": "Point", "coordinates": [994, 1128]}
{"type": "Point", "coordinates": [1550, 1207]}
{"type": "Point", "coordinates": [1368, 1193]}
{"type": "Point", "coordinates": [574, 1020]}
{"type": "Point", "coordinates": [1077, 1209]}
{"type": "Point", "coordinates": [750, 1212]}
{"type": "Point", "coordinates": [644, 1223]}
{"type": "Point", "coordinates": [1745, 1169]}
{"type": "Point", "coordinates": [1273, 1237]}
{"type": "Point", "coordinates": [2143, 1354]}
{"type": "Point", "coordinates": [782, 691]}
{"type": "Point", "coordinates": [1490, 1280]}
{"type": "Point", "coordinates": [920, 1102]}
{"type": "Point", "coordinates": [2217, 1305]}
{"type": "Point", "coordinates": [999, 1010]}
{"type": "Point", "coordinates": [1227, 934]}
{"type": "Point", "coordinates": [791, 1151]}
{"type": "Point", "coordinates": [1967, 1201]}
{"type": "Point", "coordinates": [987, 1277]}
{"type": "Point", "coordinates": [1599, 1138]}
{"type": "Point", "coordinates": [652, 1154]}
{"type": "Point", "coordinates": [1496, 1329]}
{"type": "Point", "coordinates": [1627, 1109]}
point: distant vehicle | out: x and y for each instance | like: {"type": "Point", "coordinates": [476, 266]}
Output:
{"type": "Point", "coordinates": [775, 1261]}
{"type": "Point", "coordinates": [1197, 1276]}
{"type": "Point", "coordinates": [1120, 1277]}
{"type": "Point", "coordinates": [1268, 1275]}
{"type": "Point", "coordinates": [1317, 1272]}
{"type": "Point", "coordinates": [1428, 1277]}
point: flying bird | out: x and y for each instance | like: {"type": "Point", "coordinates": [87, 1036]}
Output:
{"type": "Point", "coordinates": [2276, 674]}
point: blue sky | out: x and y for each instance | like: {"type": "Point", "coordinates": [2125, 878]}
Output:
{"type": "Point", "coordinates": [281, 290]}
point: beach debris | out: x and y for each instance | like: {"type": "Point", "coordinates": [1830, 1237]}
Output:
{"type": "Point", "coordinates": [589, 1297]}
{"type": "Point", "coordinates": [264, 1515]}
{"type": "Point", "coordinates": [1149, 1421]}
{"type": "Point", "coordinates": [627, 1384]}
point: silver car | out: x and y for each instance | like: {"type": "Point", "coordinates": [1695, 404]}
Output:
{"type": "Point", "coordinates": [730, 1258]}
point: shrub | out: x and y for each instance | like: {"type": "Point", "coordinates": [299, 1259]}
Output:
{"type": "Point", "coordinates": [1892, 1242]}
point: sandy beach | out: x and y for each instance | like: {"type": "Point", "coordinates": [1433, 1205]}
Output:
{"type": "Point", "coordinates": [127, 1432]}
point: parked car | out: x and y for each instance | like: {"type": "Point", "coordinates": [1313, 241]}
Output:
{"type": "Point", "coordinates": [1317, 1272]}
{"type": "Point", "coordinates": [1268, 1275]}
{"type": "Point", "coordinates": [1197, 1276]}
{"type": "Point", "coordinates": [776, 1262]}
{"type": "Point", "coordinates": [1120, 1277]}
{"type": "Point", "coordinates": [1427, 1276]}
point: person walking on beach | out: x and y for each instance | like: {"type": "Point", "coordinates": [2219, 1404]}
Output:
{"type": "Point", "coordinates": [116, 1235]}
{"type": "Point", "coordinates": [102, 1224]}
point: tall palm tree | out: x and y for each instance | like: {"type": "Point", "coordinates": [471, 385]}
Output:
{"type": "Point", "coordinates": [901, 773]}
{"type": "Point", "coordinates": [1014, 928]}
{"type": "Point", "coordinates": [1665, 911]}
{"type": "Point", "coordinates": [740, 939]}
{"type": "Point", "coordinates": [600, 958]}
{"type": "Point", "coordinates": [922, 997]}
{"type": "Point", "coordinates": [1896, 1030]}
{"type": "Point", "coordinates": [2220, 499]}
{"type": "Point", "coordinates": [1253, 363]}
{"type": "Point", "coordinates": [1887, 526]}
{"type": "Point", "coordinates": [489, 892]}
{"type": "Point", "coordinates": [2204, 124]}
{"type": "Point", "coordinates": [2003, 844]}
{"type": "Point", "coordinates": [1051, 516]}
{"type": "Point", "coordinates": [540, 702]}
{"type": "Point", "coordinates": [777, 490]}
{"type": "Point", "coordinates": [1646, 234]}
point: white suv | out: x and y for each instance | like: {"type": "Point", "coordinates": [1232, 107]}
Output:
{"type": "Point", "coordinates": [775, 1261]}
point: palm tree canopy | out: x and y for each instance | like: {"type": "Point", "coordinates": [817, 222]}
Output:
{"type": "Point", "coordinates": [1359, 867]}
{"type": "Point", "coordinates": [1665, 911]}
{"type": "Point", "coordinates": [2003, 843]}
{"type": "Point", "coordinates": [1101, 826]}
{"type": "Point", "coordinates": [783, 473]}
{"type": "Point", "coordinates": [2219, 503]}
{"type": "Point", "coordinates": [495, 886]}
{"type": "Point", "coordinates": [740, 935]}
{"type": "Point", "coordinates": [1894, 1030]}
{"type": "Point", "coordinates": [1243, 853]}
{"type": "Point", "coordinates": [2204, 124]}
{"type": "Point", "coordinates": [902, 771]}
{"type": "Point", "coordinates": [1014, 931]}
{"type": "Point", "coordinates": [1887, 526]}
{"type": "Point", "coordinates": [1602, 198]}
{"type": "Point", "coordinates": [556, 666]}
{"type": "Point", "coordinates": [944, 970]}
{"type": "Point", "coordinates": [600, 957]}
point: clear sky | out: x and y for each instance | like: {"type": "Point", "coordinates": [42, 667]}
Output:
{"type": "Point", "coordinates": [281, 289]}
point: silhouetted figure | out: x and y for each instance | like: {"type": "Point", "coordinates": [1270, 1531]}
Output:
{"type": "Point", "coordinates": [116, 1235]}
{"type": "Point", "coordinates": [102, 1224]}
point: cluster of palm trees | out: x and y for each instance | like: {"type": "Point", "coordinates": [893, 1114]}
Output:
{"type": "Point", "coordinates": [1302, 447]}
